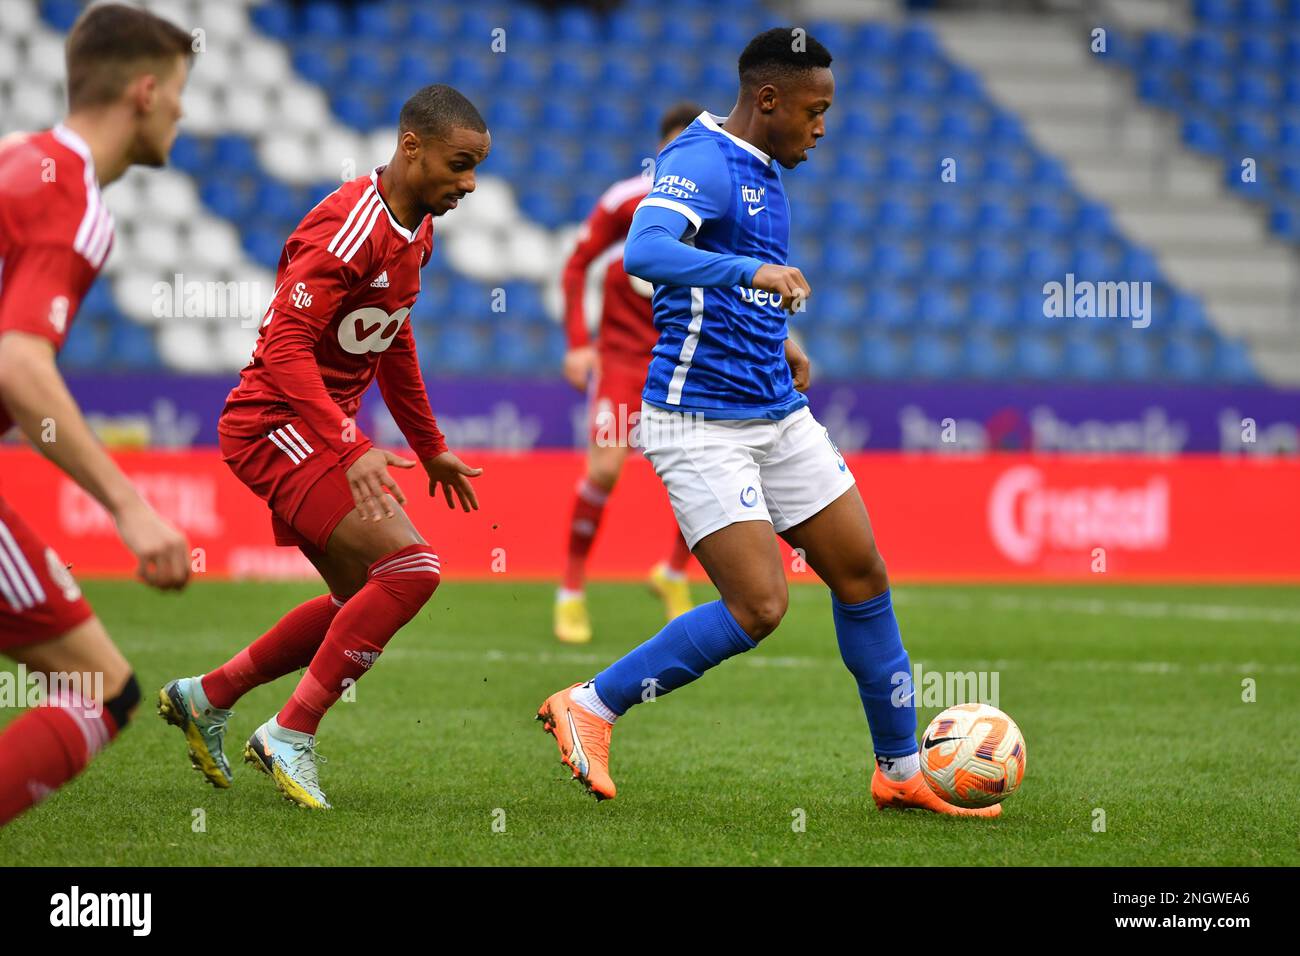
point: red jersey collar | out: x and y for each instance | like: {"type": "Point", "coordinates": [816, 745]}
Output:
{"type": "Point", "coordinates": [401, 230]}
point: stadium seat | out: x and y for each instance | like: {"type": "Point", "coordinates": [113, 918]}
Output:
{"type": "Point", "coordinates": [914, 276]}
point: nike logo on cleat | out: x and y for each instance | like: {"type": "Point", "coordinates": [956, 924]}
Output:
{"type": "Point", "coordinates": [577, 756]}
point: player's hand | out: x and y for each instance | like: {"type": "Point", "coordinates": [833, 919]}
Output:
{"type": "Point", "coordinates": [454, 475]}
{"type": "Point", "coordinates": [162, 552]}
{"type": "Point", "coordinates": [579, 365]}
{"type": "Point", "coordinates": [368, 477]}
{"type": "Point", "coordinates": [787, 281]}
{"type": "Point", "coordinates": [800, 367]}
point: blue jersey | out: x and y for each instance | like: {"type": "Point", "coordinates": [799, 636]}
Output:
{"type": "Point", "coordinates": [721, 348]}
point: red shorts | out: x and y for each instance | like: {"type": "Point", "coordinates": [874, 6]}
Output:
{"type": "Point", "coordinates": [302, 481]}
{"type": "Point", "coordinates": [614, 398]}
{"type": "Point", "coordinates": [39, 599]}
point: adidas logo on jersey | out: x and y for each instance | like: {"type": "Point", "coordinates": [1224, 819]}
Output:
{"type": "Point", "coordinates": [381, 281]}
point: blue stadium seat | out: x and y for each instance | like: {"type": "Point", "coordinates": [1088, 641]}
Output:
{"type": "Point", "coordinates": [1086, 359]}
{"type": "Point", "coordinates": [933, 356]}
{"type": "Point", "coordinates": [1232, 363]}
{"type": "Point", "coordinates": [1184, 360]}
{"type": "Point", "coordinates": [1037, 357]}
{"type": "Point", "coordinates": [832, 353]}
{"type": "Point", "coordinates": [323, 19]}
{"type": "Point", "coordinates": [131, 347]}
{"type": "Point", "coordinates": [880, 356]}
{"type": "Point", "coordinates": [1208, 48]}
{"type": "Point", "coordinates": [991, 307]}
{"type": "Point", "coordinates": [937, 309]}
{"type": "Point", "coordinates": [87, 348]}
{"type": "Point", "coordinates": [984, 357]}
{"type": "Point", "coordinates": [945, 261]}
{"type": "Point", "coordinates": [915, 276]}
{"type": "Point", "coordinates": [993, 262]}
{"type": "Point", "coordinates": [887, 307]}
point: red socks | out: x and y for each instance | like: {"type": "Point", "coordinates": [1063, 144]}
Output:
{"type": "Point", "coordinates": [46, 747]}
{"type": "Point", "coordinates": [588, 506]}
{"type": "Point", "coordinates": [398, 585]}
{"type": "Point", "coordinates": [288, 646]}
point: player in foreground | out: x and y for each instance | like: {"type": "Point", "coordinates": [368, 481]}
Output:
{"type": "Point", "coordinates": [126, 69]}
{"type": "Point", "coordinates": [616, 367]}
{"type": "Point", "coordinates": [346, 282]}
{"type": "Point", "coordinates": [729, 432]}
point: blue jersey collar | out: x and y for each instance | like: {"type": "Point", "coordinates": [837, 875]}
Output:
{"type": "Point", "coordinates": [714, 123]}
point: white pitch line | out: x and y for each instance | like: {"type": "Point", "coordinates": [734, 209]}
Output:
{"type": "Point", "coordinates": [1098, 606]}
{"type": "Point", "coordinates": [578, 659]}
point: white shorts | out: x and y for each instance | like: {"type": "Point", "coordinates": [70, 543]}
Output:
{"type": "Point", "coordinates": [720, 472]}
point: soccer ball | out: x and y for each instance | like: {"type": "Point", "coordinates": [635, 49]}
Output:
{"type": "Point", "coordinates": [973, 755]}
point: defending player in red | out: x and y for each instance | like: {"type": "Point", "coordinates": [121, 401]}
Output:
{"type": "Point", "coordinates": [126, 69]}
{"type": "Point", "coordinates": [347, 279]}
{"type": "Point", "coordinates": [612, 371]}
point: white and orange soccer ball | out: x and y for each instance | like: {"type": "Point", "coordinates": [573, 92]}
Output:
{"type": "Point", "coordinates": [973, 755]}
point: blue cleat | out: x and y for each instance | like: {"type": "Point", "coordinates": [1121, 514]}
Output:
{"type": "Point", "coordinates": [183, 704]}
{"type": "Point", "coordinates": [289, 757]}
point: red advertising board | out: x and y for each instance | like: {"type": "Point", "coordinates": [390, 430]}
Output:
{"type": "Point", "coordinates": [989, 517]}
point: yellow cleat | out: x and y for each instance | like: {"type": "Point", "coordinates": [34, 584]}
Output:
{"type": "Point", "coordinates": [674, 591]}
{"type": "Point", "coordinates": [572, 626]}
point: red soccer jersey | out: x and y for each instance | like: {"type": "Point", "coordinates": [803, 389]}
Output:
{"type": "Point", "coordinates": [55, 233]}
{"type": "Point", "coordinates": [346, 282]}
{"type": "Point", "coordinates": [627, 330]}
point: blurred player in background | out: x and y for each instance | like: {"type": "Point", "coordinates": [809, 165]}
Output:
{"type": "Point", "coordinates": [728, 430]}
{"type": "Point", "coordinates": [346, 282]}
{"type": "Point", "coordinates": [613, 371]}
{"type": "Point", "coordinates": [126, 69]}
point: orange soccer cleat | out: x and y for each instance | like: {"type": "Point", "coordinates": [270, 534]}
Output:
{"type": "Point", "coordinates": [915, 793]}
{"type": "Point", "coordinates": [583, 739]}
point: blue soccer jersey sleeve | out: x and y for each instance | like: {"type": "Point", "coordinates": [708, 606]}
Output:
{"type": "Point", "coordinates": [691, 187]}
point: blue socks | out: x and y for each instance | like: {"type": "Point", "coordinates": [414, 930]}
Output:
{"type": "Point", "coordinates": [687, 646]}
{"type": "Point", "coordinates": [706, 636]}
{"type": "Point", "coordinates": [872, 649]}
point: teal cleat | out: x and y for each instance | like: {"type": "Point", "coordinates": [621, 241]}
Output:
{"type": "Point", "coordinates": [183, 704]}
{"type": "Point", "coordinates": [289, 757]}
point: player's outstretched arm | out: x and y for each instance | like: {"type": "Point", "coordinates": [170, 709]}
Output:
{"type": "Point", "coordinates": [655, 252]}
{"type": "Point", "coordinates": [39, 402]}
{"type": "Point", "coordinates": [454, 475]}
{"type": "Point", "coordinates": [402, 386]}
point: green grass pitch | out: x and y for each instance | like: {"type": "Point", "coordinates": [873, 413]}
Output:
{"type": "Point", "coordinates": [1130, 699]}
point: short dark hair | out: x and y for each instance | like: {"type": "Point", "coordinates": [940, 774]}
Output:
{"type": "Point", "coordinates": [111, 44]}
{"type": "Point", "coordinates": [778, 53]}
{"type": "Point", "coordinates": [678, 116]}
{"type": "Point", "coordinates": [436, 110]}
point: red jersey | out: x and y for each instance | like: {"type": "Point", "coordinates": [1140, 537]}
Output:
{"type": "Point", "coordinates": [627, 330]}
{"type": "Point", "coordinates": [55, 233]}
{"type": "Point", "coordinates": [346, 282]}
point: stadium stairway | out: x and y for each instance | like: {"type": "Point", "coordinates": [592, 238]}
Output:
{"type": "Point", "coordinates": [1130, 157]}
